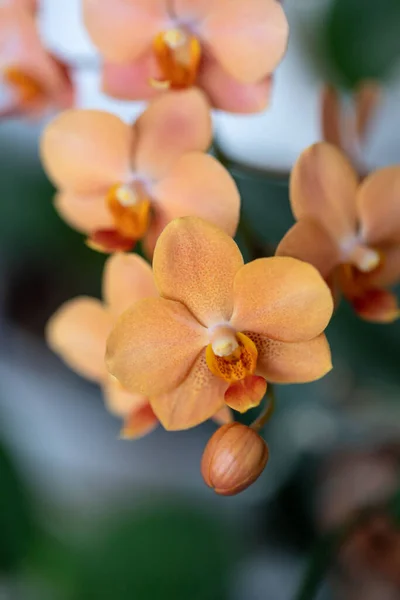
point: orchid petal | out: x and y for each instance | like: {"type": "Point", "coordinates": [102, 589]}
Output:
{"type": "Point", "coordinates": [77, 332]}
{"type": "Point", "coordinates": [86, 213]}
{"type": "Point", "coordinates": [195, 400]}
{"type": "Point", "coordinates": [173, 124]}
{"type": "Point", "coordinates": [248, 37]}
{"type": "Point", "coordinates": [323, 186]}
{"type": "Point", "coordinates": [153, 346]}
{"type": "Point", "coordinates": [199, 185]}
{"type": "Point", "coordinates": [86, 150]}
{"type": "Point", "coordinates": [282, 298]}
{"type": "Point", "coordinates": [195, 263]}
{"type": "Point", "coordinates": [126, 279]}
{"type": "Point", "coordinates": [119, 401]}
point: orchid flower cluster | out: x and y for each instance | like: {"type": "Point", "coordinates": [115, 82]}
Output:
{"type": "Point", "coordinates": [199, 335]}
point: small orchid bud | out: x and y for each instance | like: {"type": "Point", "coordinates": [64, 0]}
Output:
{"type": "Point", "coordinates": [233, 459]}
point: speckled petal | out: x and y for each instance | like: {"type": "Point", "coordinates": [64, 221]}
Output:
{"type": "Point", "coordinates": [309, 241]}
{"type": "Point", "coordinates": [195, 263]}
{"type": "Point", "coordinates": [282, 298]}
{"type": "Point", "coordinates": [84, 212]}
{"type": "Point", "coordinates": [299, 362]}
{"type": "Point", "coordinates": [123, 29]}
{"type": "Point", "coordinates": [378, 203]}
{"type": "Point", "coordinates": [199, 185]}
{"type": "Point", "coordinates": [86, 150]}
{"type": "Point", "coordinates": [153, 346]}
{"type": "Point", "coordinates": [197, 399]}
{"type": "Point", "coordinates": [323, 186]}
{"type": "Point", "coordinates": [77, 332]}
{"type": "Point", "coordinates": [126, 279]}
{"type": "Point", "coordinates": [228, 94]}
{"type": "Point", "coordinates": [173, 124]}
{"type": "Point", "coordinates": [248, 37]}
{"type": "Point", "coordinates": [119, 401]}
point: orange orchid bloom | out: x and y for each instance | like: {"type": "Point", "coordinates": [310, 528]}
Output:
{"type": "Point", "coordinates": [220, 328]}
{"type": "Point", "coordinates": [121, 184]}
{"type": "Point", "coordinates": [227, 47]}
{"type": "Point", "coordinates": [349, 230]}
{"type": "Point", "coordinates": [31, 79]}
{"type": "Point", "coordinates": [78, 333]}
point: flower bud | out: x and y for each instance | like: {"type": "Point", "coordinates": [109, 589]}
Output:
{"type": "Point", "coordinates": [233, 459]}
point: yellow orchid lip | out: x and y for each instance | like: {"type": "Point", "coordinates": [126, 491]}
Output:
{"type": "Point", "coordinates": [178, 55]}
{"type": "Point", "coordinates": [130, 208]}
{"type": "Point", "coordinates": [26, 87]}
{"type": "Point", "coordinates": [231, 357]}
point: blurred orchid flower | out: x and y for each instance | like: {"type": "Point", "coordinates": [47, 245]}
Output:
{"type": "Point", "coordinates": [220, 328]}
{"type": "Point", "coordinates": [227, 47]}
{"type": "Point", "coordinates": [78, 331]}
{"type": "Point", "coordinates": [31, 79]}
{"type": "Point", "coordinates": [349, 230]}
{"type": "Point", "coordinates": [120, 183]}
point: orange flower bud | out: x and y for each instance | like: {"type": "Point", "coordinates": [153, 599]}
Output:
{"type": "Point", "coordinates": [233, 459]}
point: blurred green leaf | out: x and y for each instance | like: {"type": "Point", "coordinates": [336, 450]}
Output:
{"type": "Point", "coordinates": [167, 552]}
{"type": "Point", "coordinates": [363, 38]}
{"type": "Point", "coordinates": [16, 516]}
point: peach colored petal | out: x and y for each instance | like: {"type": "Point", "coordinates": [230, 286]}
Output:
{"type": "Point", "coordinates": [226, 93]}
{"type": "Point", "coordinates": [377, 306]}
{"type": "Point", "coordinates": [308, 240]}
{"type": "Point", "coordinates": [193, 10]}
{"type": "Point", "coordinates": [153, 346]}
{"type": "Point", "coordinates": [199, 185]}
{"type": "Point", "coordinates": [83, 212]}
{"type": "Point", "coordinates": [195, 263]}
{"type": "Point", "coordinates": [367, 98]}
{"type": "Point", "coordinates": [173, 124]}
{"type": "Point", "coordinates": [282, 298]}
{"type": "Point", "coordinates": [131, 81]}
{"type": "Point", "coordinates": [196, 399]}
{"type": "Point", "coordinates": [299, 362]}
{"type": "Point", "coordinates": [246, 393]}
{"type": "Point", "coordinates": [331, 116]}
{"type": "Point", "coordinates": [323, 186]}
{"type": "Point", "coordinates": [378, 203]}
{"type": "Point", "coordinates": [126, 279]}
{"type": "Point", "coordinates": [223, 416]}
{"type": "Point", "coordinates": [119, 401]}
{"type": "Point", "coordinates": [140, 423]}
{"type": "Point", "coordinates": [86, 150]}
{"type": "Point", "coordinates": [123, 29]}
{"type": "Point", "coordinates": [248, 37]}
{"type": "Point", "coordinates": [387, 273]}
{"type": "Point", "coordinates": [77, 332]}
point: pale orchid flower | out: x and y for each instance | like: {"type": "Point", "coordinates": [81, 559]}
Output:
{"type": "Point", "coordinates": [347, 228]}
{"type": "Point", "coordinates": [31, 79]}
{"type": "Point", "coordinates": [229, 48]}
{"type": "Point", "coordinates": [120, 184]}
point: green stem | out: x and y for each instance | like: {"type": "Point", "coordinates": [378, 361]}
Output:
{"type": "Point", "coordinates": [266, 414]}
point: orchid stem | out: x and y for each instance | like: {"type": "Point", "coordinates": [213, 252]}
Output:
{"type": "Point", "coordinates": [266, 414]}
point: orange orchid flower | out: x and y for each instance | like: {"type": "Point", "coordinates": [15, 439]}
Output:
{"type": "Point", "coordinates": [227, 47]}
{"type": "Point", "coordinates": [78, 333]}
{"type": "Point", "coordinates": [349, 230]}
{"type": "Point", "coordinates": [120, 183]}
{"type": "Point", "coordinates": [220, 328]}
{"type": "Point", "coordinates": [31, 79]}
